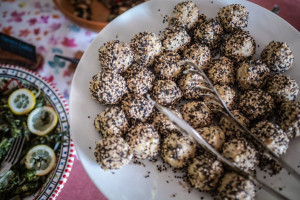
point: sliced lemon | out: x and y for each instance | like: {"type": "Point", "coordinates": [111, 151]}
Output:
{"type": "Point", "coordinates": [42, 120]}
{"type": "Point", "coordinates": [41, 158]}
{"type": "Point", "coordinates": [21, 101]}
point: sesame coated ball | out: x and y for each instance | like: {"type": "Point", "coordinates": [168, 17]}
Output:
{"type": "Point", "coordinates": [140, 82]}
{"type": "Point", "coordinates": [213, 135]}
{"type": "Point", "coordinates": [146, 46]}
{"type": "Point", "coordinates": [115, 55]}
{"type": "Point", "coordinates": [278, 56]}
{"type": "Point", "coordinates": [166, 92]}
{"type": "Point", "coordinates": [282, 88]}
{"type": "Point", "coordinates": [111, 121]}
{"type": "Point", "coordinates": [197, 114]}
{"type": "Point", "coordinates": [108, 87]}
{"type": "Point", "coordinates": [234, 186]}
{"type": "Point", "coordinates": [137, 108]}
{"type": "Point", "coordinates": [209, 33]}
{"type": "Point", "coordinates": [233, 17]}
{"type": "Point", "coordinates": [166, 66]}
{"type": "Point", "coordinates": [256, 104]}
{"type": "Point", "coordinates": [252, 74]}
{"type": "Point", "coordinates": [241, 153]}
{"type": "Point", "coordinates": [221, 71]}
{"type": "Point", "coordinates": [227, 94]}
{"type": "Point", "coordinates": [112, 152]}
{"type": "Point", "coordinates": [239, 46]}
{"type": "Point", "coordinates": [289, 118]}
{"type": "Point", "coordinates": [133, 69]}
{"type": "Point", "coordinates": [204, 172]}
{"type": "Point", "coordinates": [272, 136]}
{"type": "Point", "coordinates": [199, 54]}
{"type": "Point", "coordinates": [143, 140]}
{"type": "Point", "coordinates": [175, 38]}
{"type": "Point", "coordinates": [178, 149]}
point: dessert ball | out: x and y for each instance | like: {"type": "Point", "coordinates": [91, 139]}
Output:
{"type": "Point", "coordinates": [166, 92]}
{"type": "Point", "coordinates": [146, 46]}
{"type": "Point", "coordinates": [175, 38]}
{"type": "Point", "coordinates": [272, 136]}
{"type": "Point", "coordinates": [133, 69]}
{"type": "Point", "coordinates": [193, 85]}
{"type": "Point", "coordinates": [166, 66]}
{"type": "Point", "coordinates": [137, 108]}
{"type": "Point", "coordinates": [241, 153]}
{"type": "Point", "coordinates": [199, 54]}
{"type": "Point", "coordinates": [234, 186]}
{"type": "Point", "coordinates": [204, 172]}
{"type": "Point", "coordinates": [209, 33]}
{"type": "Point", "coordinates": [289, 118]}
{"type": "Point", "coordinates": [140, 82]}
{"type": "Point", "coordinates": [111, 121]}
{"type": "Point", "coordinates": [197, 114]}
{"type": "Point", "coordinates": [256, 104]}
{"type": "Point", "coordinates": [239, 46]}
{"type": "Point", "coordinates": [231, 129]}
{"type": "Point", "coordinates": [108, 87]}
{"type": "Point", "coordinates": [112, 152]}
{"type": "Point", "coordinates": [143, 140]}
{"type": "Point", "coordinates": [252, 74]}
{"type": "Point", "coordinates": [282, 88]}
{"type": "Point", "coordinates": [186, 13]}
{"type": "Point", "coordinates": [213, 103]}
{"type": "Point", "coordinates": [162, 124]}
{"type": "Point", "coordinates": [178, 149]}
{"type": "Point", "coordinates": [278, 56]}
{"type": "Point", "coordinates": [233, 17]}
{"type": "Point", "coordinates": [115, 55]}
{"type": "Point", "coordinates": [227, 94]}
{"type": "Point", "coordinates": [221, 71]}
{"type": "Point", "coordinates": [213, 135]}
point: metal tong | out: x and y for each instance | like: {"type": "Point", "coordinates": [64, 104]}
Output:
{"type": "Point", "coordinates": [185, 128]}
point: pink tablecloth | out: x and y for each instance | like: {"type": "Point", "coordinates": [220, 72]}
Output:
{"type": "Point", "coordinates": [40, 23]}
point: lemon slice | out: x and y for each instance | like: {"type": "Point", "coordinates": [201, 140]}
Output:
{"type": "Point", "coordinates": [21, 101]}
{"type": "Point", "coordinates": [42, 120]}
{"type": "Point", "coordinates": [41, 158]}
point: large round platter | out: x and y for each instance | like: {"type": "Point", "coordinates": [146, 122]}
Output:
{"type": "Point", "coordinates": [146, 182]}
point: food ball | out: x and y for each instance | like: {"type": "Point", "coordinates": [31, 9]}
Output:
{"type": "Point", "coordinates": [256, 104]}
{"type": "Point", "coordinates": [282, 88]}
{"type": "Point", "coordinates": [199, 54]}
{"type": "Point", "coordinates": [289, 118]}
{"type": "Point", "coordinates": [133, 69]}
{"type": "Point", "coordinates": [166, 66]}
{"type": "Point", "coordinates": [234, 186]}
{"type": "Point", "coordinates": [146, 46]}
{"type": "Point", "coordinates": [178, 149]}
{"type": "Point", "coordinates": [272, 136]}
{"type": "Point", "coordinates": [108, 87]}
{"type": "Point", "coordinates": [239, 46]}
{"type": "Point", "coordinates": [233, 17]}
{"type": "Point", "coordinates": [197, 114]}
{"type": "Point", "coordinates": [143, 140]}
{"type": "Point", "coordinates": [112, 152]}
{"type": "Point", "coordinates": [175, 38]}
{"type": "Point", "coordinates": [115, 55]}
{"type": "Point", "coordinates": [221, 71]}
{"type": "Point", "coordinates": [252, 74]}
{"type": "Point", "coordinates": [140, 82]}
{"type": "Point", "coordinates": [137, 108]}
{"type": "Point", "coordinates": [278, 56]}
{"type": "Point", "coordinates": [204, 172]}
{"type": "Point", "coordinates": [213, 135]}
{"type": "Point", "coordinates": [209, 33]}
{"type": "Point", "coordinates": [241, 153]}
{"type": "Point", "coordinates": [166, 92]}
{"type": "Point", "coordinates": [111, 121]}
{"type": "Point", "coordinates": [227, 94]}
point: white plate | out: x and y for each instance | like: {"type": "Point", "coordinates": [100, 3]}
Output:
{"type": "Point", "coordinates": [130, 182]}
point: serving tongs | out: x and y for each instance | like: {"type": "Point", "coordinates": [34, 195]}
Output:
{"type": "Point", "coordinates": [185, 128]}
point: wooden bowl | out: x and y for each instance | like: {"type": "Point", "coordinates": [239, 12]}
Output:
{"type": "Point", "coordinates": [99, 16]}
